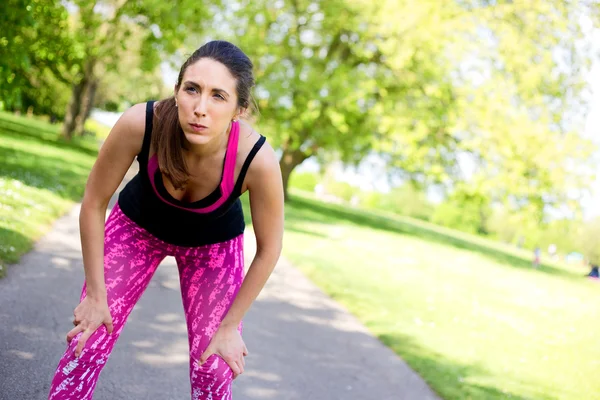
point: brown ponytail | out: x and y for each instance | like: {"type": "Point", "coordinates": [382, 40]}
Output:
{"type": "Point", "coordinates": [168, 142]}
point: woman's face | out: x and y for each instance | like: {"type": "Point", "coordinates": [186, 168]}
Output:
{"type": "Point", "coordinates": [207, 101]}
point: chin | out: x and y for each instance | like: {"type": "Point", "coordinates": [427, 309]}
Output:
{"type": "Point", "coordinates": [197, 138]}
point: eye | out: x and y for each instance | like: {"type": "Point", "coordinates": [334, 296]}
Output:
{"type": "Point", "coordinates": [220, 97]}
{"type": "Point", "coordinates": [191, 89]}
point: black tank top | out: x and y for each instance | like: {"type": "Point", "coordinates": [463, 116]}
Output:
{"type": "Point", "coordinates": [175, 224]}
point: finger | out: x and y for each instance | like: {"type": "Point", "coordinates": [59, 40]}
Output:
{"type": "Point", "coordinates": [109, 326]}
{"type": "Point", "coordinates": [82, 340]}
{"type": "Point", "coordinates": [237, 370]}
{"type": "Point", "coordinates": [207, 353]}
{"type": "Point", "coordinates": [235, 367]}
{"type": "Point", "coordinates": [73, 332]}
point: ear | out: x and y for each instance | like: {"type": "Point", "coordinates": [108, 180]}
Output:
{"type": "Point", "coordinates": [175, 90]}
{"type": "Point", "coordinates": [242, 112]}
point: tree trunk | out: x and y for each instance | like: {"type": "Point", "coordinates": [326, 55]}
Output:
{"type": "Point", "coordinates": [76, 102]}
{"type": "Point", "coordinates": [290, 159]}
{"type": "Point", "coordinates": [482, 229]}
{"type": "Point", "coordinates": [88, 97]}
{"type": "Point", "coordinates": [72, 111]}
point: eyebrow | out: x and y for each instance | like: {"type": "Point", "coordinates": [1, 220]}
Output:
{"type": "Point", "coordinates": [218, 90]}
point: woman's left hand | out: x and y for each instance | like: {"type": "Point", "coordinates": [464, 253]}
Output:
{"type": "Point", "coordinates": [228, 344]}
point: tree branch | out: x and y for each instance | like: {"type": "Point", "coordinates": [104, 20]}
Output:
{"type": "Point", "coordinates": [114, 23]}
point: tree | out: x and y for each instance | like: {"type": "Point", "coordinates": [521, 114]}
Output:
{"type": "Point", "coordinates": [128, 81]}
{"type": "Point", "coordinates": [102, 30]}
{"type": "Point", "coordinates": [36, 54]}
{"type": "Point", "coordinates": [517, 78]}
{"type": "Point", "coordinates": [317, 75]}
{"type": "Point", "coordinates": [590, 242]}
{"type": "Point", "coordinates": [346, 77]}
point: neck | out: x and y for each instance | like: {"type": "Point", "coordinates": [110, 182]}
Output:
{"type": "Point", "coordinates": [211, 148]}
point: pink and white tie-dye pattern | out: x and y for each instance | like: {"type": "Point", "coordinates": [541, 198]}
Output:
{"type": "Point", "coordinates": [210, 277]}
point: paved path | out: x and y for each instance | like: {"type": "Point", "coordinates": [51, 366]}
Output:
{"type": "Point", "coordinates": [302, 344]}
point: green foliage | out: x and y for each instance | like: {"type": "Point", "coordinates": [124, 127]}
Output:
{"type": "Point", "coordinates": [134, 79]}
{"type": "Point", "coordinates": [371, 200]}
{"type": "Point", "coordinates": [518, 123]}
{"type": "Point", "coordinates": [568, 235]}
{"type": "Point", "coordinates": [145, 30]}
{"type": "Point", "coordinates": [457, 216]}
{"type": "Point", "coordinates": [304, 181]}
{"type": "Point", "coordinates": [318, 77]}
{"type": "Point", "coordinates": [404, 200]}
{"type": "Point", "coordinates": [341, 190]}
{"type": "Point", "coordinates": [50, 59]}
{"type": "Point", "coordinates": [49, 96]}
{"type": "Point", "coordinates": [493, 82]}
{"type": "Point", "coordinates": [37, 55]}
{"type": "Point", "coordinates": [590, 241]}
{"type": "Point", "coordinates": [504, 228]}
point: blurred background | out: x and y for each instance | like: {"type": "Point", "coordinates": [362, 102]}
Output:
{"type": "Point", "coordinates": [441, 159]}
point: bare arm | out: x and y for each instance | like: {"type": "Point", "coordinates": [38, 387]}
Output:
{"type": "Point", "coordinates": [266, 204]}
{"type": "Point", "coordinates": [116, 155]}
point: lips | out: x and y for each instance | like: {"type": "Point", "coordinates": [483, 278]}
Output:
{"type": "Point", "coordinates": [198, 127]}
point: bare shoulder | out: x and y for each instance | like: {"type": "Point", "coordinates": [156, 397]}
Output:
{"type": "Point", "coordinates": [265, 158]}
{"type": "Point", "coordinates": [129, 130]}
{"type": "Point", "coordinates": [134, 118]}
{"type": "Point", "coordinates": [264, 168]}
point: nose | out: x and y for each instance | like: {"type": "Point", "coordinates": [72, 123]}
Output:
{"type": "Point", "coordinates": [201, 106]}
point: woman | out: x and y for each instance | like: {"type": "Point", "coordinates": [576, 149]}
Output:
{"type": "Point", "coordinates": [195, 159]}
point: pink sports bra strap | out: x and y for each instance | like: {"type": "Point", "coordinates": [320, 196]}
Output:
{"type": "Point", "coordinates": [228, 183]}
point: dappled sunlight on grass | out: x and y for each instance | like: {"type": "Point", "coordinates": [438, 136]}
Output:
{"type": "Point", "coordinates": [39, 180]}
{"type": "Point", "coordinates": [45, 133]}
{"type": "Point", "coordinates": [42, 166]}
{"type": "Point", "coordinates": [25, 213]}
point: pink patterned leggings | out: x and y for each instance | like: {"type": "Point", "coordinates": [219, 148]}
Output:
{"type": "Point", "coordinates": [210, 277]}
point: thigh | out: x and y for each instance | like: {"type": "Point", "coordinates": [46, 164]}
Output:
{"type": "Point", "coordinates": [210, 277]}
{"type": "Point", "coordinates": [131, 256]}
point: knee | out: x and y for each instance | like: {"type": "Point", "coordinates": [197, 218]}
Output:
{"type": "Point", "coordinates": [96, 349]}
{"type": "Point", "coordinates": [212, 378]}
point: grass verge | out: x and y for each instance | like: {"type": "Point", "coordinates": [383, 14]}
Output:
{"type": "Point", "coordinates": [41, 176]}
{"type": "Point", "coordinates": [469, 315]}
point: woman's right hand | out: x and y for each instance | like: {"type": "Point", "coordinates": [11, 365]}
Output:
{"type": "Point", "coordinates": [90, 314]}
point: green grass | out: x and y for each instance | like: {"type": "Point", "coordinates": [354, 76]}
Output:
{"type": "Point", "coordinates": [41, 176]}
{"type": "Point", "coordinates": [469, 315]}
